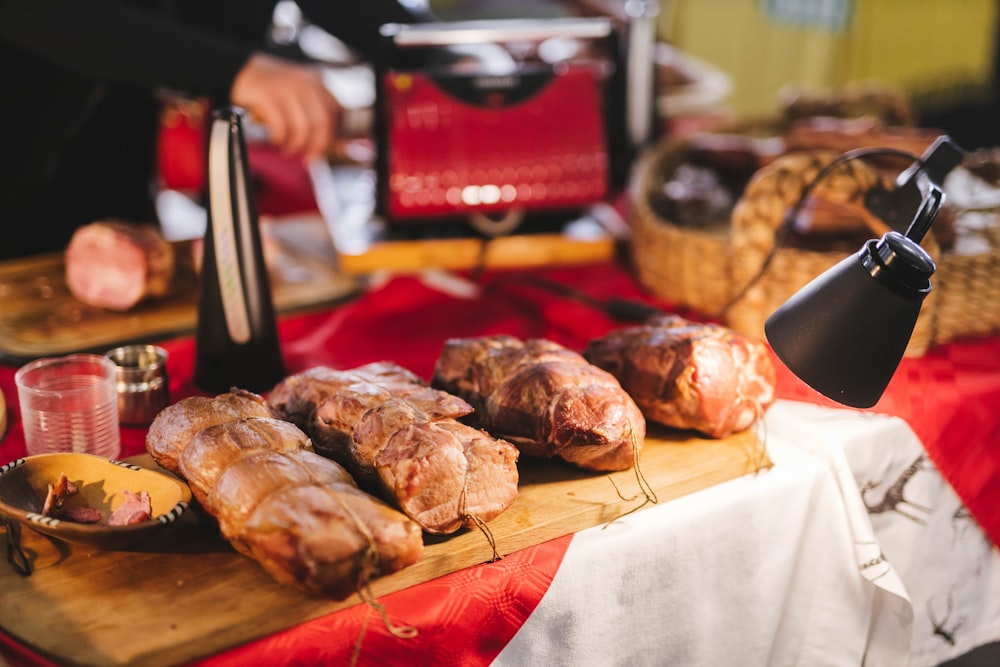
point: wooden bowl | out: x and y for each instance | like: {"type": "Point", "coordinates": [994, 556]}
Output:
{"type": "Point", "coordinates": [100, 483]}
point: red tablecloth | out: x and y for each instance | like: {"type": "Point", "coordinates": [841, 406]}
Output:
{"type": "Point", "coordinates": [950, 397]}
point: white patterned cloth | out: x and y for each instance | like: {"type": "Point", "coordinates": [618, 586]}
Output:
{"type": "Point", "coordinates": [784, 567]}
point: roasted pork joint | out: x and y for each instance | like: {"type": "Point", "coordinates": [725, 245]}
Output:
{"type": "Point", "coordinates": [298, 514]}
{"type": "Point", "coordinates": [401, 438]}
{"type": "Point", "coordinates": [174, 429]}
{"type": "Point", "coordinates": [688, 375]}
{"type": "Point", "coordinates": [546, 399]}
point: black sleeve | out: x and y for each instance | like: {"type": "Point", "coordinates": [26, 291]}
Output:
{"type": "Point", "coordinates": [137, 44]}
{"type": "Point", "coordinates": [115, 41]}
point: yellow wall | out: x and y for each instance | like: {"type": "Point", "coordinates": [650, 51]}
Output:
{"type": "Point", "coordinates": [936, 50]}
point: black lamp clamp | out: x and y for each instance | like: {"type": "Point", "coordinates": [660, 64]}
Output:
{"type": "Point", "coordinates": [845, 332]}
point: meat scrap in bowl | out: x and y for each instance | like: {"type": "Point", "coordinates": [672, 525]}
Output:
{"type": "Point", "coordinates": [136, 507]}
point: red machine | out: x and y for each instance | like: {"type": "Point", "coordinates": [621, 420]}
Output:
{"type": "Point", "coordinates": [481, 142]}
{"type": "Point", "coordinates": [485, 144]}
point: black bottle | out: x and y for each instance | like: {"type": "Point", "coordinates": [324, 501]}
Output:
{"type": "Point", "coordinates": [236, 343]}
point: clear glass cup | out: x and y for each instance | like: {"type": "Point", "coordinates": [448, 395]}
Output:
{"type": "Point", "coordinates": [69, 404]}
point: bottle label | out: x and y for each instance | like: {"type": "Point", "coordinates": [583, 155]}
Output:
{"type": "Point", "coordinates": [227, 255]}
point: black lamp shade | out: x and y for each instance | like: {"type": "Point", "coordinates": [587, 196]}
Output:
{"type": "Point", "coordinates": [845, 332]}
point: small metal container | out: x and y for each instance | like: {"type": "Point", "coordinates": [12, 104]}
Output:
{"type": "Point", "coordinates": [142, 383]}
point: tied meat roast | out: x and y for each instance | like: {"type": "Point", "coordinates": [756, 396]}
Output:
{"type": "Point", "coordinates": [546, 399]}
{"type": "Point", "coordinates": [688, 375]}
{"type": "Point", "coordinates": [298, 514]}
{"type": "Point", "coordinates": [402, 439]}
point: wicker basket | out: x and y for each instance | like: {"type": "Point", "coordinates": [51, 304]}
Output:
{"type": "Point", "coordinates": [718, 272]}
{"type": "Point", "coordinates": [688, 267]}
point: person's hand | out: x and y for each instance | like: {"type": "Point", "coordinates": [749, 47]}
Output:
{"type": "Point", "coordinates": [291, 101]}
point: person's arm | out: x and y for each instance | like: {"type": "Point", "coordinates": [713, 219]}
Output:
{"type": "Point", "coordinates": [295, 106]}
{"type": "Point", "coordinates": [114, 41]}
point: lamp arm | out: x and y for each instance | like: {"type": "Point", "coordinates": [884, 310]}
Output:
{"type": "Point", "coordinates": [930, 205]}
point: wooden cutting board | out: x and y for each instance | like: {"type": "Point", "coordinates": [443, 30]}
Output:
{"type": "Point", "coordinates": [40, 317]}
{"type": "Point", "coordinates": [187, 594]}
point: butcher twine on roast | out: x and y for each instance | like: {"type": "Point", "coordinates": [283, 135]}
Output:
{"type": "Point", "coordinates": [687, 375]}
{"type": "Point", "coordinates": [544, 398]}
{"type": "Point", "coordinates": [401, 439]}
{"type": "Point", "coordinates": [298, 514]}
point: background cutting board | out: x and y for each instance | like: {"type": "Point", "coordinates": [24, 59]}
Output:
{"type": "Point", "coordinates": [39, 317]}
{"type": "Point", "coordinates": [187, 594]}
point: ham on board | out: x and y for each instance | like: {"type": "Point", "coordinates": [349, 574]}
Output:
{"type": "Point", "coordinates": [401, 438]}
{"type": "Point", "coordinates": [116, 265]}
{"type": "Point", "coordinates": [298, 514]}
{"type": "Point", "coordinates": [544, 398]}
{"type": "Point", "coordinates": [688, 375]}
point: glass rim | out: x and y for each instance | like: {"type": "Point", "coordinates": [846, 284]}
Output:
{"type": "Point", "coordinates": [21, 377]}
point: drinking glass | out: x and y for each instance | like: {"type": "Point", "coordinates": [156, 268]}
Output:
{"type": "Point", "coordinates": [69, 404]}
